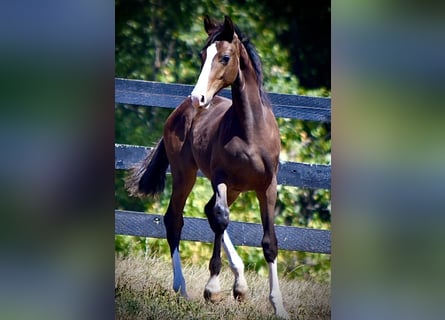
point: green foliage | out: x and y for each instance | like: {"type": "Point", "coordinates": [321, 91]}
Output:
{"type": "Point", "coordinates": [160, 41]}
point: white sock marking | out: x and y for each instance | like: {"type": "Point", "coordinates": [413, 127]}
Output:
{"type": "Point", "coordinates": [236, 264]}
{"type": "Point", "coordinates": [213, 284]}
{"type": "Point", "coordinates": [234, 259]}
{"type": "Point", "coordinates": [178, 277]}
{"type": "Point", "coordinates": [275, 294]}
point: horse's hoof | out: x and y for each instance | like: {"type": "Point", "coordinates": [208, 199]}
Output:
{"type": "Point", "coordinates": [282, 315]}
{"type": "Point", "coordinates": [213, 297]}
{"type": "Point", "coordinates": [240, 295]}
{"type": "Point", "coordinates": [240, 290]}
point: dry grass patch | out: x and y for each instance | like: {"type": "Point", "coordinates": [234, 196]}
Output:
{"type": "Point", "coordinates": [143, 291]}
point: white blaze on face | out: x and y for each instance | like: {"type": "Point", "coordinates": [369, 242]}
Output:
{"type": "Point", "coordinates": [199, 98]}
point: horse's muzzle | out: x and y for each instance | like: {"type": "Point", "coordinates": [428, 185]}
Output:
{"type": "Point", "coordinates": [199, 101]}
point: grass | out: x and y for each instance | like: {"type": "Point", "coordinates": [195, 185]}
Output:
{"type": "Point", "coordinates": [143, 291]}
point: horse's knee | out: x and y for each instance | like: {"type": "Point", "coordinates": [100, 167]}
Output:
{"type": "Point", "coordinates": [218, 218]}
{"type": "Point", "coordinates": [270, 248]}
{"type": "Point", "coordinates": [222, 216]}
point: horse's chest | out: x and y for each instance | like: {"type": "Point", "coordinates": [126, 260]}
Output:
{"type": "Point", "coordinates": [241, 158]}
{"type": "Point", "coordinates": [224, 148]}
{"type": "Point", "coordinates": [237, 150]}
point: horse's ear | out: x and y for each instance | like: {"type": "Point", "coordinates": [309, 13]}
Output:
{"type": "Point", "coordinates": [228, 30]}
{"type": "Point", "coordinates": [209, 25]}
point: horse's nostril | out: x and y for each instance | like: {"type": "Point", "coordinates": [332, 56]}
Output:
{"type": "Point", "coordinates": [202, 99]}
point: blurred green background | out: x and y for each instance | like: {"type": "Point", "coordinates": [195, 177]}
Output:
{"type": "Point", "coordinates": [160, 41]}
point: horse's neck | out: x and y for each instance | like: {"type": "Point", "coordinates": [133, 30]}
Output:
{"type": "Point", "coordinates": [247, 102]}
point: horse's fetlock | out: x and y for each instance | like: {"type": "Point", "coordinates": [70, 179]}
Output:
{"type": "Point", "coordinates": [212, 291]}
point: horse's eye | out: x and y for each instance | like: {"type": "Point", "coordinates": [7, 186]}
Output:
{"type": "Point", "coordinates": [225, 59]}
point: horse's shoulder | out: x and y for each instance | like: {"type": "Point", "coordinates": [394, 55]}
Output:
{"type": "Point", "coordinates": [181, 118]}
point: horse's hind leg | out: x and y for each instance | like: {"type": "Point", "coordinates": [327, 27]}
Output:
{"type": "Point", "coordinates": [174, 221]}
{"type": "Point", "coordinates": [269, 243]}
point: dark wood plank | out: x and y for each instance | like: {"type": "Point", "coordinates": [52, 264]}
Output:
{"type": "Point", "coordinates": [314, 176]}
{"type": "Point", "coordinates": [167, 95]}
{"type": "Point", "coordinates": [241, 233]}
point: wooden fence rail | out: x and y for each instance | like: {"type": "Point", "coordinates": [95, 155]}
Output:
{"type": "Point", "coordinates": [241, 233]}
{"type": "Point", "coordinates": [297, 174]}
{"type": "Point", "coordinates": [314, 176]}
{"type": "Point", "coordinates": [167, 95]}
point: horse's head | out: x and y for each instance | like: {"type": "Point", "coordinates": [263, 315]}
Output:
{"type": "Point", "coordinates": [220, 62]}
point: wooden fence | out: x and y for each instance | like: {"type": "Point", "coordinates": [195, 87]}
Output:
{"type": "Point", "coordinates": [314, 176]}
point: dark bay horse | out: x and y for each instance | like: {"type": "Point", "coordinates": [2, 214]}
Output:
{"type": "Point", "coordinates": [235, 143]}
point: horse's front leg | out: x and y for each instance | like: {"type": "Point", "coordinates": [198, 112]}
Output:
{"type": "Point", "coordinates": [217, 213]}
{"type": "Point", "coordinates": [270, 246]}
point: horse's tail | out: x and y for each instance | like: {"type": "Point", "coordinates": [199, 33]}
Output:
{"type": "Point", "coordinates": [149, 178]}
